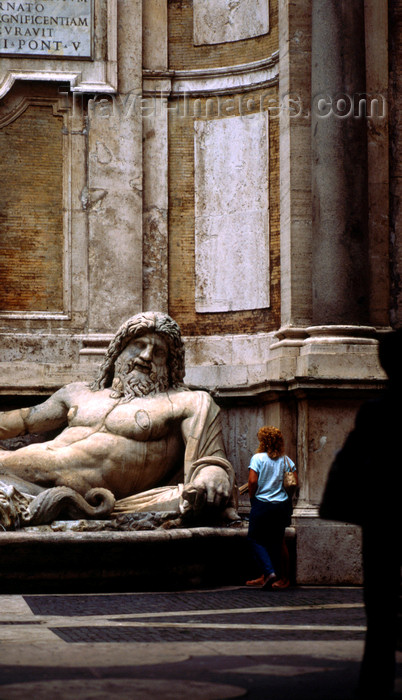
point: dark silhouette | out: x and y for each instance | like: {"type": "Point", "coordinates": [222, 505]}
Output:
{"type": "Point", "coordinates": [363, 487]}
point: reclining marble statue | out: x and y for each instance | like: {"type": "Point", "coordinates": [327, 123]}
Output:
{"type": "Point", "coordinates": [136, 439]}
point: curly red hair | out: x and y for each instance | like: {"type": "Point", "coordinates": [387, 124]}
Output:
{"type": "Point", "coordinates": [271, 441]}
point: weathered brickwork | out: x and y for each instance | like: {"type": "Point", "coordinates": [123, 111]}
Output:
{"type": "Point", "coordinates": [31, 212]}
{"type": "Point", "coordinates": [183, 55]}
{"type": "Point", "coordinates": [181, 220]}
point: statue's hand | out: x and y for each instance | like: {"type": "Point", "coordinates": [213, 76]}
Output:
{"type": "Point", "coordinates": [211, 487]}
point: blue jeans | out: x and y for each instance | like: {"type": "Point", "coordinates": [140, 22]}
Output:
{"type": "Point", "coordinates": [268, 520]}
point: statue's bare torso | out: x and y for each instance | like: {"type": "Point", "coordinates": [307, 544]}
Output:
{"type": "Point", "coordinates": [125, 446]}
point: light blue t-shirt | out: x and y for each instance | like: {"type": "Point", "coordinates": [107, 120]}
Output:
{"type": "Point", "coordinates": [270, 476]}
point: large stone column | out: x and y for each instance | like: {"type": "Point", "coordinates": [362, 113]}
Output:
{"type": "Point", "coordinates": [340, 263]}
{"type": "Point", "coordinates": [395, 97]}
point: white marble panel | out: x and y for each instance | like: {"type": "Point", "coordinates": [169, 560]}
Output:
{"type": "Point", "coordinates": [219, 21]}
{"type": "Point", "coordinates": [231, 214]}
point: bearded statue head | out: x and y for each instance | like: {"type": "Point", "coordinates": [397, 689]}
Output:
{"type": "Point", "coordinates": [140, 325]}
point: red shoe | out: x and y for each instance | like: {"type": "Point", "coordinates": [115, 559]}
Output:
{"type": "Point", "coordinates": [281, 584]}
{"type": "Point", "coordinates": [256, 582]}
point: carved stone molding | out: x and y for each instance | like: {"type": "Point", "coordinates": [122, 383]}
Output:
{"type": "Point", "coordinates": [217, 81]}
{"type": "Point", "coordinates": [292, 336]}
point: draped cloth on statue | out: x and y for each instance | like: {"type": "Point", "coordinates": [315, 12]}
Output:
{"type": "Point", "coordinates": [202, 435]}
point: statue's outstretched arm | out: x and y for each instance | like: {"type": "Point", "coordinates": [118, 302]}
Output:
{"type": "Point", "coordinates": [48, 415]}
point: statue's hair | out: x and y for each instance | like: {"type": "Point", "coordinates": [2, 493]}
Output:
{"type": "Point", "coordinates": [134, 327]}
{"type": "Point", "coordinates": [271, 441]}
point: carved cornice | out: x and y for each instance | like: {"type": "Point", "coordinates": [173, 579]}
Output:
{"type": "Point", "coordinates": [224, 80]}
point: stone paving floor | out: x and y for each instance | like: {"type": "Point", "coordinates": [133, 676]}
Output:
{"type": "Point", "coordinates": [303, 643]}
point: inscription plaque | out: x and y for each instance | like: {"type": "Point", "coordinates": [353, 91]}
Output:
{"type": "Point", "coordinates": [50, 28]}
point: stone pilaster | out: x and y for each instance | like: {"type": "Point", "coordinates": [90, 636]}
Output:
{"type": "Point", "coordinates": [295, 163]}
{"type": "Point", "coordinates": [155, 155]}
{"type": "Point", "coordinates": [113, 197]}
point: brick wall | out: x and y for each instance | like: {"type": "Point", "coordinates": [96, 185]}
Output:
{"type": "Point", "coordinates": [31, 215]}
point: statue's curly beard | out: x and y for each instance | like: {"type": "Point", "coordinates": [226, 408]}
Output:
{"type": "Point", "coordinates": [131, 382]}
